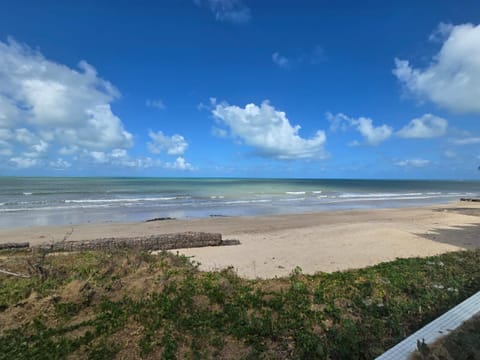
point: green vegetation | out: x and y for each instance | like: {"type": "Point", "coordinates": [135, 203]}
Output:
{"type": "Point", "coordinates": [129, 304]}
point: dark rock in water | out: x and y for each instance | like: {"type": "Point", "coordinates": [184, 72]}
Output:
{"type": "Point", "coordinates": [160, 219]}
{"type": "Point", "coordinates": [217, 215]}
{"type": "Point", "coordinates": [470, 199]}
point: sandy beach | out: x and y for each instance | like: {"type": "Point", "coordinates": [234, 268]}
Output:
{"type": "Point", "coordinates": [324, 241]}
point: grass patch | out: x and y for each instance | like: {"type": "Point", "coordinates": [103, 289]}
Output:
{"type": "Point", "coordinates": [131, 304]}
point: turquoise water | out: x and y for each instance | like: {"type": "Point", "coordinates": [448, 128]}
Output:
{"type": "Point", "coordinates": [58, 201]}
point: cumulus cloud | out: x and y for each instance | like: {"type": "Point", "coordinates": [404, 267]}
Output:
{"type": "Point", "coordinates": [173, 145]}
{"type": "Point", "coordinates": [59, 164]}
{"type": "Point", "coordinates": [233, 11]}
{"type": "Point", "coordinates": [120, 158]}
{"type": "Point", "coordinates": [46, 105]}
{"type": "Point", "coordinates": [427, 126]}
{"type": "Point", "coordinates": [452, 79]}
{"type": "Point", "coordinates": [413, 163]}
{"type": "Point", "coordinates": [269, 131]}
{"type": "Point", "coordinates": [52, 116]}
{"type": "Point", "coordinates": [373, 135]}
{"type": "Point", "coordinates": [58, 100]}
{"type": "Point", "coordinates": [179, 164]}
{"type": "Point", "coordinates": [23, 162]}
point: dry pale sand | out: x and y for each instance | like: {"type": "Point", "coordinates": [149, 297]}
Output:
{"type": "Point", "coordinates": [324, 241]}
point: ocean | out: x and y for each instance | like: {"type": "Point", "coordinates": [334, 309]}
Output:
{"type": "Point", "coordinates": [28, 202]}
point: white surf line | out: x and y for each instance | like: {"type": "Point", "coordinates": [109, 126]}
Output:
{"type": "Point", "coordinates": [439, 327]}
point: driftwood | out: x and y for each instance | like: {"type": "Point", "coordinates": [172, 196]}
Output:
{"type": "Point", "coordinates": [13, 274]}
{"type": "Point", "coordinates": [153, 242]}
{"type": "Point", "coordinates": [6, 246]}
{"type": "Point", "coordinates": [470, 199]}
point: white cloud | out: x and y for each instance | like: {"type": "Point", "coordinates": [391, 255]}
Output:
{"type": "Point", "coordinates": [121, 158]}
{"type": "Point", "coordinates": [45, 106]}
{"type": "Point", "coordinates": [24, 162]}
{"type": "Point", "coordinates": [59, 164]}
{"type": "Point", "coordinates": [41, 147]}
{"type": "Point", "coordinates": [221, 133]}
{"type": "Point", "coordinates": [69, 150]}
{"type": "Point", "coordinates": [8, 112]}
{"type": "Point", "coordinates": [269, 131]}
{"type": "Point", "coordinates": [173, 145]}
{"type": "Point", "coordinates": [427, 126]}
{"type": "Point", "coordinates": [413, 163]}
{"type": "Point", "coordinates": [441, 33]}
{"type": "Point", "coordinates": [24, 136]}
{"type": "Point", "coordinates": [158, 104]}
{"type": "Point", "coordinates": [280, 61]}
{"type": "Point", "coordinates": [450, 154]}
{"type": "Point", "coordinates": [314, 56]}
{"type": "Point", "coordinates": [5, 134]}
{"type": "Point", "coordinates": [233, 11]}
{"type": "Point", "coordinates": [452, 79]}
{"type": "Point", "coordinates": [373, 135]}
{"type": "Point", "coordinates": [119, 153]}
{"type": "Point", "coordinates": [5, 150]}
{"type": "Point", "coordinates": [466, 141]}
{"type": "Point", "coordinates": [99, 157]}
{"type": "Point", "coordinates": [179, 164]}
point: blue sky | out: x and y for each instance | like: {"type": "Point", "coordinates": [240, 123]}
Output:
{"type": "Point", "coordinates": [322, 89]}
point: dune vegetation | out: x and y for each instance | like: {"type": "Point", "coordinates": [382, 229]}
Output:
{"type": "Point", "coordinates": [131, 304]}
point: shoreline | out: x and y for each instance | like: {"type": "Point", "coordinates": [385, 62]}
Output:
{"type": "Point", "coordinates": [321, 241]}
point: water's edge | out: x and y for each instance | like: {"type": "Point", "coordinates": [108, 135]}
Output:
{"type": "Point", "coordinates": [26, 202]}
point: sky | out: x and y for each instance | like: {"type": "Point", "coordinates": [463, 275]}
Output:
{"type": "Point", "coordinates": [240, 88]}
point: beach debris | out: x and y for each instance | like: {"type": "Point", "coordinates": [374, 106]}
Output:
{"type": "Point", "coordinates": [160, 219]}
{"type": "Point", "coordinates": [6, 272]}
{"type": "Point", "coordinates": [153, 242]}
{"type": "Point", "coordinates": [21, 245]}
{"type": "Point", "coordinates": [470, 199]}
{"type": "Point", "coordinates": [423, 348]}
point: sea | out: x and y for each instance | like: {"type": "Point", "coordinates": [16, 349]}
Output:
{"type": "Point", "coordinates": [40, 201]}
